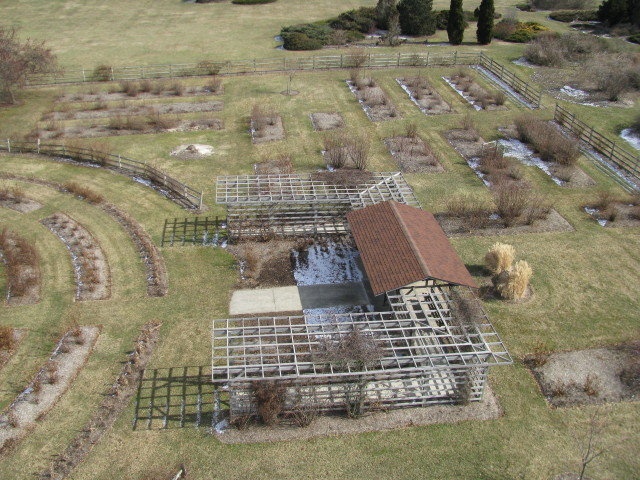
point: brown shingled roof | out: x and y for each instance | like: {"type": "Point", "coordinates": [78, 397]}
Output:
{"type": "Point", "coordinates": [400, 245]}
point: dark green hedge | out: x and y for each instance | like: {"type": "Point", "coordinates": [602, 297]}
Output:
{"type": "Point", "coordinates": [568, 16]}
{"type": "Point", "coordinates": [251, 2]}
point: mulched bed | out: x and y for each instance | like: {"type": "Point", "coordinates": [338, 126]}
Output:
{"type": "Point", "coordinates": [113, 96]}
{"type": "Point", "coordinates": [327, 425]}
{"type": "Point", "coordinates": [20, 203]}
{"type": "Point", "coordinates": [264, 264]}
{"type": "Point", "coordinates": [617, 213]}
{"type": "Point", "coordinates": [268, 131]}
{"type": "Point", "coordinates": [274, 166]}
{"type": "Point", "coordinates": [459, 227]}
{"type": "Point", "coordinates": [137, 109]}
{"type": "Point", "coordinates": [593, 376]}
{"type": "Point", "coordinates": [373, 99]}
{"type": "Point", "coordinates": [48, 385]}
{"type": "Point", "coordinates": [424, 95]}
{"type": "Point", "coordinates": [413, 155]}
{"type": "Point", "coordinates": [115, 402]}
{"type": "Point", "coordinates": [326, 121]}
{"type": "Point", "coordinates": [465, 84]}
{"type": "Point", "coordinates": [128, 126]}
{"type": "Point", "coordinates": [93, 278]}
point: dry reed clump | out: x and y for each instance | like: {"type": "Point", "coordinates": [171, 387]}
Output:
{"type": "Point", "coordinates": [500, 257]}
{"type": "Point", "coordinates": [12, 193]}
{"type": "Point", "coordinates": [7, 338]}
{"type": "Point", "coordinates": [22, 264]}
{"type": "Point", "coordinates": [512, 284]}
{"type": "Point", "coordinates": [473, 211]}
{"type": "Point", "coordinates": [512, 200]}
{"type": "Point", "coordinates": [261, 119]}
{"type": "Point", "coordinates": [269, 396]}
{"type": "Point", "coordinates": [84, 192]}
{"type": "Point", "coordinates": [547, 140]}
{"type": "Point", "coordinates": [340, 148]}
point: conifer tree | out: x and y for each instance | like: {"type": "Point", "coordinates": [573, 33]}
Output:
{"type": "Point", "coordinates": [417, 17]}
{"type": "Point", "coordinates": [455, 23]}
{"type": "Point", "coordinates": [484, 34]}
{"type": "Point", "coordinates": [385, 9]}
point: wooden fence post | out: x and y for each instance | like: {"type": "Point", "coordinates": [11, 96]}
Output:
{"type": "Point", "coordinates": [201, 195]}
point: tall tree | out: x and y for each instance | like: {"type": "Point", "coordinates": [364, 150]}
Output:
{"type": "Point", "coordinates": [484, 34]}
{"type": "Point", "coordinates": [417, 17]}
{"type": "Point", "coordinates": [385, 9]}
{"type": "Point", "coordinates": [18, 60]}
{"type": "Point", "coordinates": [455, 23]}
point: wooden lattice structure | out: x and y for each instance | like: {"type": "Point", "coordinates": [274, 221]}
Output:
{"type": "Point", "coordinates": [299, 205]}
{"type": "Point", "coordinates": [425, 355]}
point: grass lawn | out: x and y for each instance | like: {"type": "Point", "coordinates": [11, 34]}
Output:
{"type": "Point", "coordinates": [586, 282]}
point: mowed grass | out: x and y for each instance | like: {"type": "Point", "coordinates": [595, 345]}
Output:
{"type": "Point", "coordinates": [586, 282]}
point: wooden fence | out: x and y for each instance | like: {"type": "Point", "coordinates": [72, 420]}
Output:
{"type": "Point", "coordinates": [194, 231]}
{"type": "Point", "coordinates": [265, 65]}
{"type": "Point", "coordinates": [531, 94]}
{"type": "Point", "coordinates": [177, 191]}
{"type": "Point", "coordinates": [528, 92]}
{"type": "Point", "coordinates": [615, 155]}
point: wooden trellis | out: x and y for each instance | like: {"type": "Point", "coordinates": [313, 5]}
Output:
{"type": "Point", "coordinates": [426, 356]}
{"type": "Point", "coordinates": [298, 205]}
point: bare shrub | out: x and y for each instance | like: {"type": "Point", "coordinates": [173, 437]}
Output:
{"type": "Point", "coordinates": [51, 370]}
{"type": "Point", "coordinates": [84, 192]}
{"type": "Point", "coordinates": [499, 257]}
{"type": "Point", "coordinates": [335, 150]}
{"type": "Point", "coordinates": [13, 419]}
{"type": "Point", "coordinates": [412, 131]}
{"type": "Point", "coordinates": [538, 208]}
{"type": "Point", "coordinates": [261, 119]}
{"type": "Point", "coordinates": [474, 212]}
{"type": "Point", "coordinates": [468, 123]}
{"type": "Point", "coordinates": [131, 89]}
{"type": "Point", "coordinates": [492, 160]}
{"type": "Point", "coordinates": [269, 396]}
{"type": "Point", "coordinates": [7, 338]}
{"type": "Point", "coordinates": [214, 85]}
{"type": "Point", "coordinates": [499, 98]}
{"type": "Point", "coordinates": [358, 150]}
{"type": "Point", "coordinates": [177, 89]}
{"type": "Point", "coordinates": [146, 85]}
{"type": "Point", "coordinates": [591, 386]}
{"type": "Point", "coordinates": [354, 75]}
{"type": "Point", "coordinates": [512, 284]}
{"type": "Point", "coordinates": [242, 422]}
{"type": "Point", "coordinates": [21, 260]}
{"type": "Point", "coordinates": [511, 200]}
{"type": "Point", "coordinates": [547, 140]}
{"type": "Point", "coordinates": [358, 58]}
{"type": "Point", "coordinates": [615, 74]}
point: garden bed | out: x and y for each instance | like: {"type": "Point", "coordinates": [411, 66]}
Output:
{"type": "Point", "coordinates": [14, 199]}
{"type": "Point", "coordinates": [156, 89]}
{"type": "Point", "coordinates": [584, 377]}
{"type": "Point", "coordinates": [264, 264]}
{"type": "Point", "coordinates": [466, 86]}
{"type": "Point", "coordinates": [610, 211]}
{"type": "Point", "coordinates": [106, 111]}
{"type": "Point", "coordinates": [129, 125]}
{"type": "Point", "coordinates": [372, 98]}
{"type": "Point", "coordinates": [265, 126]}
{"type": "Point", "coordinates": [413, 154]}
{"type": "Point", "coordinates": [22, 267]}
{"type": "Point", "coordinates": [10, 339]}
{"type": "Point", "coordinates": [93, 278]}
{"type": "Point", "coordinates": [48, 385]}
{"type": "Point", "coordinates": [192, 151]}
{"type": "Point", "coordinates": [274, 166]}
{"type": "Point", "coordinates": [424, 95]}
{"type": "Point", "coordinates": [326, 121]}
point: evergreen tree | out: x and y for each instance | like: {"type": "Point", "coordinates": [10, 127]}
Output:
{"type": "Point", "coordinates": [484, 34]}
{"type": "Point", "coordinates": [417, 17]}
{"type": "Point", "coordinates": [613, 12]}
{"type": "Point", "coordinates": [385, 9]}
{"type": "Point", "coordinates": [455, 23]}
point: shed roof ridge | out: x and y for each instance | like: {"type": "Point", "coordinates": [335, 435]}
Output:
{"type": "Point", "coordinates": [414, 248]}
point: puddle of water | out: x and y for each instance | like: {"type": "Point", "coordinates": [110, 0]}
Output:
{"type": "Point", "coordinates": [326, 264]}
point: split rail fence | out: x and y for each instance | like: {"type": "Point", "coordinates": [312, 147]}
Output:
{"type": "Point", "coordinates": [316, 62]}
{"type": "Point", "coordinates": [180, 193]}
{"type": "Point", "coordinates": [619, 158]}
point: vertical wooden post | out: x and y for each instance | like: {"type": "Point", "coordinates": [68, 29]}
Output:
{"type": "Point", "coordinates": [201, 194]}
{"type": "Point", "coordinates": [8, 145]}
{"type": "Point", "coordinates": [84, 78]}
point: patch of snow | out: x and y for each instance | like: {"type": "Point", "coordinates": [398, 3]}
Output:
{"type": "Point", "coordinates": [474, 163]}
{"type": "Point", "coordinates": [221, 426]}
{"type": "Point", "coordinates": [195, 149]}
{"type": "Point", "coordinates": [632, 138]}
{"type": "Point", "coordinates": [278, 38]}
{"type": "Point", "coordinates": [143, 181]}
{"type": "Point", "coordinates": [325, 264]}
{"type": "Point", "coordinates": [462, 94]}
{"type": "Point", "coordinates": [523, 62]}
{"type": "Point", "coordinates": [574, 92]}
{"type": "Point", "coordinates": [521, 151]}
{"type": "Point", "coordinates": [364, 106]}
{"type": "Point", "coordinates": [594, 213]}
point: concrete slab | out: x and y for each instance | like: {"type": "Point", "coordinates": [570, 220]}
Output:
{"type": "Point", "coordinates": [333, 295]}
{"type": "Point", "coordinates": [265, 300]}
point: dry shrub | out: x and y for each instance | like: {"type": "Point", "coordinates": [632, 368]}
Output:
{"type": "Point", "coordinates": [591, 386]}
{"type": "Point", "coordinates": [51, 370]}
{"type": "Point", "coordinates": [242, 422]}
{"type": "Point", "coordinates": [358, 58]}
{"type": "Point", "coordinates": [176, 88]}
{"type": "Point", "coordinates": [547, 140]}
{"type": "Point", "coordinates": [474, 212]}
{"type": "Point", "coordinates": [303, 414]}
{"type": "Point", "coordinates": [539, 357]}
{"type": "Point", "coordinates": [615, 74]}
{"type": "Point", "coordinates": [131, 89]}
{"type": "Point", "coordinates": [604, 200]}
{"type": "Point", "coordinates": [511, 201]}
{"type": "Point", "coordinates": [512, 284]}
{"type": "Point", "coordinates": [84, 192]}
{"type": "Point", "coordinates": [269, 396]}
{"type": "Point", "coordinates": [412, 131]}
{"type": "Point", "coordinates": [493, 160]}
{"type": "Point", "coordinates": [146, 85]}
{"type": "Point", "coordinates": [499, 257]}
{"type": "Point", "coordinates": [335, 150]}
{"type": "Point", "coordinates": [467, 123]}
{"type": "Point", "coordinates": [12, 193]}
{"type": "Point", "coordinates": [538, 208]}
{"type": "Point", "coordinates": [7, 338]}
{"type": "Point", "coordinates": [214, 85]}
{"type": "Point", "coordinates": [13, 419]}
{"type": "Point", "coordinates": [354, 76]}
{"type": "Point", "coordinates": [499, 98]}
{"type": "Point", "coordinates": [261, 119]}
{"type": "Point", "coordinates": [21, 260]}
{"type": "Point", "coordinates": [358, 150]}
